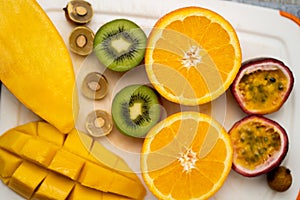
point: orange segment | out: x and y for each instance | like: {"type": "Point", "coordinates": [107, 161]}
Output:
{"type": "Point", "coordinates": [193, 55]}
{"type": "Point", "coordinates": [188, 155]}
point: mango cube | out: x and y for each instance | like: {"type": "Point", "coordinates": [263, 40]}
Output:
{"type": "Point", "coordinates": [27, 178]}
{"type": "Point", "coordinates": [78, 143]}
{"type": "Point", "coordinates": [103, 155]}
{"type": "Point", "coordinates": [29, 128]}
{"type": "Point", "coordinates": [80, 192]}
{"type": "Point", "coordinates": [54, 186]}
{"type": "Point", "coordinates": [13, 141]}
{"type": "Point", "coordinates": [67, 163]}
{"type": "Point", "coordinates": [89, 173]}
{"type": "Point", "coordinates": [8, 163]}
{"type": "Point", "coordinates": [50, 133]}
{"type": "Point", "coordinates": [39, 151]}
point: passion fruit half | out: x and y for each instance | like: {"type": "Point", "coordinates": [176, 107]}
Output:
{"type": "Point", "coordinates": [260, 144]}
{"type": "Point", "coordinates": [262, 85]}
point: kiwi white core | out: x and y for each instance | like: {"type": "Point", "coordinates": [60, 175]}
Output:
{"type": "Point", "coordinates": [135, 110]}
{"type": "Point", "coordinates": [120, 45]}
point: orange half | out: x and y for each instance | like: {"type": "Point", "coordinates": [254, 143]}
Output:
{"type": "Point", "coordinates": [193, 55]}
{"type": "Point", "coordinates": [186, 156]}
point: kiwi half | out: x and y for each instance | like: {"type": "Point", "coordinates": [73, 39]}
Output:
{"type": "Point", "coordinates": [120, 45]}
{"type": "Point", "coordinates": [135, 110]}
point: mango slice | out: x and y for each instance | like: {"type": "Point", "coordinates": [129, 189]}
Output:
{"type": "Point", "coordinates": [35, 64]}
{"type": "Point", "coordinates": [37, 167]}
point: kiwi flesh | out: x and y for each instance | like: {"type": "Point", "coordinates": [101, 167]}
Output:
{"type": "Point", "coordinates": [135, 110]}
{"type": "Point", "coordinates": [120, 45]}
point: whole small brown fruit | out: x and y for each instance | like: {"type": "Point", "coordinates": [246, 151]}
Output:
{"type": "Point", "coordinates": [280, 179]}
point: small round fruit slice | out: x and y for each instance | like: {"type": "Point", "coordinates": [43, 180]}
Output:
{"type": "Point", "coordinates": [260, 144]}
{"type": "Point", "coordinates": [135, 109]}
{"type": "Point", "coordinates": [188, 155]}
{"type": "Point", "coordinates": [193, 55]}
{"type": "Point", "coordinates": [79, 11]}
{"type": "Point", "coordinates": [94, 86]}
{"type": "Point", "coordinates": [120, 44]}
{"type": "Point", "coordinates": [99, 123]}
{"type": "Point", "coordinates": [262, 85]}
{"type": "Point", "coordinates": [81, 40]}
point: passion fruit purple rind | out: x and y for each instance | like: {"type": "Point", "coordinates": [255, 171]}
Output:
{"type": "Point", "coordinates": [262, 85]}
{"type": "Point", "coordinates": [259, 145]}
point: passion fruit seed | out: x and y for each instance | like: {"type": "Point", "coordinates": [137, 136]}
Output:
{"type": "Point", "coordinates": [262, 85]}
{"type": "Point", "coordinates": [94, 86]}
{"type": "Point", "coordinates": [280, 179]}
{"type": "Point", "coordinates": [81, 40]}
{"type": "Point", "coordinates": [99, 123]}
{"type": "Point", "coordinates": [260, 144]}
{"type": "Point", "coordinates": [79, 11]}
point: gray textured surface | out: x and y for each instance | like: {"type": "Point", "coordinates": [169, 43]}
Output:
{"type": "Point", "coordinates": [291, 6]}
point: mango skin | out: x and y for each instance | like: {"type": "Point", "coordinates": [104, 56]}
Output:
{"type": "Point", "coordinates": [35, 64]}
{"type": "Point", "coordinates": [64, 168]}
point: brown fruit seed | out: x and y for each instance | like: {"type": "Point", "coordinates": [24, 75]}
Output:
{"type": "Point", "coordinates": [280, 179]}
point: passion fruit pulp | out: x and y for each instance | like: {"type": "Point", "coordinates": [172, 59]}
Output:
{"type": "Point", "coordinates": [262, 85]}
{"type": "Point", "coordinates": [260, 144]}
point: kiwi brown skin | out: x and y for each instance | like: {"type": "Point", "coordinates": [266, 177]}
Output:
{"type": "Point", "coordinates": [126, 99]}
{"type": "Point", "coordinates": [115, 56]}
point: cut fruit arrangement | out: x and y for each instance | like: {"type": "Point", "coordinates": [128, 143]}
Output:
{"type": "Point", "coordinates": [192, 56]}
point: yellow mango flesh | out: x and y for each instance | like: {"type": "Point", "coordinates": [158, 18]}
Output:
{"type": "Point", "coordinates": [26, 179]}
{"type": "Point", "coordinates": [35, 64]}
{"type": "Point", "coordinates": [39, 168]}
{"type": "Point", "coordinates": [54, 187]}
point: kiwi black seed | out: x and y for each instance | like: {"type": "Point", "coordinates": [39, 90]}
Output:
{"type": "Point", "coordinates": [135, 110]}
{"type": "Point", "coordinates": [120, 45]}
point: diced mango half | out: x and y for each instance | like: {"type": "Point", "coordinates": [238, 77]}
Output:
{"type": "Point", "coordinates": [36, 167]}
